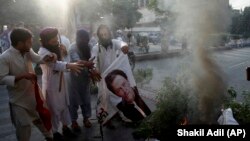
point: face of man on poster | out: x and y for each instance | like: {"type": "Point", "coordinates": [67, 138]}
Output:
{"type": "Point", "coordinates": [121, 88]}
{"type": "Point", "coordinates": [131, 104]}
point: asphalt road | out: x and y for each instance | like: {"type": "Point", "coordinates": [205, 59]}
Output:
{"type": "Point", "coordinates": [232, 62]}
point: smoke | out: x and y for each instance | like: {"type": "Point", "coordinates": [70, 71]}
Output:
{"type": "Point", "coordinates": [197, 21]}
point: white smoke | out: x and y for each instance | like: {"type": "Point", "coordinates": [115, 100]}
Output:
{"type": "Point", "coordinates": [197, 20]}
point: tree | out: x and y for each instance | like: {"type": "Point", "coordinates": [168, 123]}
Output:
{"type": "Point", "coordinates": [30, 12]}
{"type": "Point", "coordinates": [125, 14]}
{"type": "Point", "coordinates": [19, 11]}
{"type": "Point", "coordinates": [164, 16]}
{"type": "Point", "coordinates": [245, 23]}
{"type": "Point", "coordinates": [236, 22]}
{"type": "Point", "coordinates": [241, 23]}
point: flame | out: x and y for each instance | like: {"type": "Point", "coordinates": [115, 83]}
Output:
{"type": "Point", "coordinates": [184, 121]}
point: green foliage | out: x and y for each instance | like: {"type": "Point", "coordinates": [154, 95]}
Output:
{"type": "Point", "coordinates": [174, 103]}
{"type": "Point", "coordinates": [19, 11]}
{"type": "Point", "coordinates": [241, 110]}
{"type": "Point", "coordinates": [125, 14]}
{"type": "Point", "coordinates": [171, 109]}
{"type": "Point", "coordinates": [143, 76]}
{"type": "Point", "coordinates": [90, 10]}
{"type": "Point", "coordinates": [153, 5]}
{"type": "Point", "coordinates": [241, 22]}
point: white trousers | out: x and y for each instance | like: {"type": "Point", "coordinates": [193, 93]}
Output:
{"type": "Point", "coordinates": [23, 119]}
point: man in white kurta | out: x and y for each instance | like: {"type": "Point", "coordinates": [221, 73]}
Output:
{"type": "Point", "coordinates": [17, 73]}
{"type": "Point", "coordinates": [105, 52]}
{"type": "Point", "coordinates": [53, 83]}
{"type": "Point", "coordinates": [57, 101]}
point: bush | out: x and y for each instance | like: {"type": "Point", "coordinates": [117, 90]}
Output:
{"type": "Point", "coordinates": [241, 110]}
{"type": "Point", "coordinates": [172, 108]}
{"type": "Point", "coordinates": [175, 103]}
{"type": "Point", "coordinates": [143, 76]}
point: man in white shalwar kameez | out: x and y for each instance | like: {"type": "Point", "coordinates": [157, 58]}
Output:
{"type": "Point", "coordinates": [53, 83]}
{"type": "Point", "coordinates": [105, 52]}
{"type": "Point", "coordinates": [17, 73]}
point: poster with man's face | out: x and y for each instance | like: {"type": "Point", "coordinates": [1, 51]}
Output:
{"type": "Point", "coordinates": [118, 92]}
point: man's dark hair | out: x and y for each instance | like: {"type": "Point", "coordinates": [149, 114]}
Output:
{"type": "Point", "coordinates": [111, 76]}
{"type": "Point", "coordinates": [101, 27]}
{"type": "Point", "coordinates": [19, 35]}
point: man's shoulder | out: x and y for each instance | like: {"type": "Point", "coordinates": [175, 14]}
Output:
{"type": "Point", "coordinates": [6, 53]}
{"type": "Point", "coordinates": [95, 47]}
{"type": "Point", "coordinates": [6, 56]}
{"type": "Point", "coordinates": [72, 46]}
{"type": "Point", "coordinates": [116, 40]}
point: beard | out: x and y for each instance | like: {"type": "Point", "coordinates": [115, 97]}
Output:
{"type": "Point", "coordinates": [54, 49]}
{"type": "Point", "coordinates": [105, 42]}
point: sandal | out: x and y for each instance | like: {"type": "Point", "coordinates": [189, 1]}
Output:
{"type": "Point", "coordinates": [87, 123]}
{"type": "Point", "coordinates": [75, 127]}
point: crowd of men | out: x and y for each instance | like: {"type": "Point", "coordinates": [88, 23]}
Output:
{"type": "Point", "coordinates": [68, 69]}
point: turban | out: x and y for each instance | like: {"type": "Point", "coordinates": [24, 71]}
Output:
{"type": "Point", "coordinates": [47, 34]}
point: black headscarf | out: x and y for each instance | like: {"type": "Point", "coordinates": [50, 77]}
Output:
{"type": "Point", "coordinates": [82, 43]}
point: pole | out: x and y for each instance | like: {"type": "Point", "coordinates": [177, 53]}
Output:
{"type": "Point", "coordinates": [101, 131]}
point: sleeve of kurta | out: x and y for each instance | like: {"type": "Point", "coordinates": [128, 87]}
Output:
{"type": "Point", "coordinates": [94, 53]}
{"type": "Point", "coordinates": [57, 66]}
{"type": "Point", "coordinates": [73, 54]}
{"type": "Point", "coordinates": [118, 44]}
{"type": "Point", "coordinates": [35, 58]}
{"type": "Point", "coordinates": [5, 78]}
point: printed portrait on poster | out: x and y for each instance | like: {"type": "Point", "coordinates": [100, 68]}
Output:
{"type": "Point", "coordinates": [118, 92]}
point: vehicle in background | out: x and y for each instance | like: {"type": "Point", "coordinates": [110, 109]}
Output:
{"type": "Point", "coordinates": [154, 38]}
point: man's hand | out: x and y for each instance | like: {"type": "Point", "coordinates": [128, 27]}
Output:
{"type": "Point", "coordinates": [29, 76]}
{"type": "Point", "coordinates": [50, 58]}
{"type": "Point", "coordinates": [125, 49]}
{"type": "Point", "coordinates": [63, 50]}
{"type": "Point", "coordinates": [95, 76]}
{"type": "Point", "coordinates": [75, 67]}
{"type": "Point", "coordinates": [88, 64]}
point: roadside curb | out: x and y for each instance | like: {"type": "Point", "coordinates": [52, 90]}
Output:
{"type": "Point", "coordinates": [157, 55]}
{"type": "Point", "coordinates": [172, 53]}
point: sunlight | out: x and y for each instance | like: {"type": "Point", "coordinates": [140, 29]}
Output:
{"type": "Point", "coordinates": [239, 4]}
{"type": "Point", "coordinates": [61, 4]}
{"type": "Point", "coordinates": [55, 9]}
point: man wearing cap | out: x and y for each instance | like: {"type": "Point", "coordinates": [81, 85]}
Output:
{"type": "Point", "coordinates": [18, 74]}
{"type": "Point", "coordinates": [53, 83]}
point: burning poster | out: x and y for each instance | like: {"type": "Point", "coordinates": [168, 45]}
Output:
{"type": "Point", "coordinates": [118, 92]}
